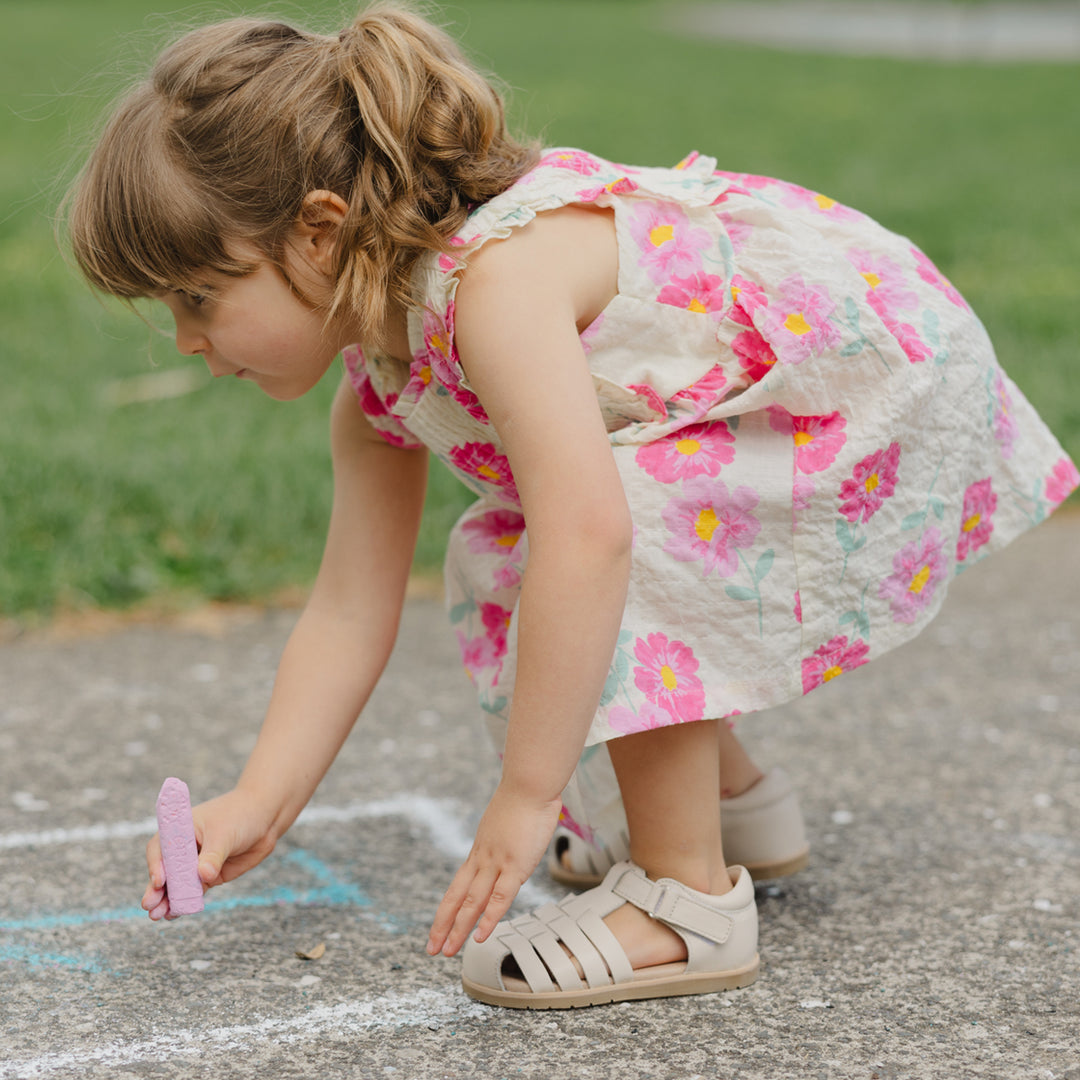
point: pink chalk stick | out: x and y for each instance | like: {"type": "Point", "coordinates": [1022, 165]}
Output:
{"type": "Point", "coordinates": [179, 852]}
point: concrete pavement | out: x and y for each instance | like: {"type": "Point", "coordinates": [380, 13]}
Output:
{"type": "Point", "coordinates": [935, 933]}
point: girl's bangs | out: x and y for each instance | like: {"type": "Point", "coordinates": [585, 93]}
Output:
{"type": "Point", "coordinates": [140, 225]}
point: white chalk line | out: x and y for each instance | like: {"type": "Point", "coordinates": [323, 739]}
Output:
{"type": "Point", "coordinates": [421, 809]}
{"type": "Point", "coordinates": [441, 820]}
{"type": "Point", "coordinates": [422, 1007]}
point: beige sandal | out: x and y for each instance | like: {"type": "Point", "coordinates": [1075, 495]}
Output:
{"type": "Point", "coordinates": [762, 828]}
{"type": "Point", "coordinates": [523, 964]}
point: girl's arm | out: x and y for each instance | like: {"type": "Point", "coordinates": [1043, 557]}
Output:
{"type": "Point", "coordinates": [519, 308]}
{"type": "Point", "coordinates": [333, 658]}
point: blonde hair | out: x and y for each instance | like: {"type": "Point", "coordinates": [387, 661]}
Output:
{"type": "Point", "coordinates": [238, 121]}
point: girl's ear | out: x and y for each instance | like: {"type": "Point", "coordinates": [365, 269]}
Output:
{"type": "Point", "coordinates": [316, 231]}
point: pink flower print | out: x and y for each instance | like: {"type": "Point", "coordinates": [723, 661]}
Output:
{"type": "Point", "coordinates": [654, 400]}
{"type": "Point", "coordinates": [798, 326]}
{"type": "Point", "coordinates": [802, 491]}
{"type": "Point", "coordinates": [496, 620]}
{"type": "Point", "coordinates": [831, 660]}
{"type": "Point", "coordinates": [1005, 430]}
{"type": "Point", "coordinates": [438, 359]}
{"type": "Point", "coordinates": [480, 461]}
{"type": "Point", "coordinates": [696, 450]}
{"type": "Point", "coordinates": [356, 368]}
{"type": "Point", "coordinates": [710, 524]}
{"type": "Point", "coordinates": [747, 180]}
{"type": "Point", "coordinates": [374, 407]}
{"type": "Point", "coordinates": [918, 569]}
{"type": "Point", "coordinates": [703, 293]}
{"type": "Point", "coordinates": [915, 349]}
{"type": "Point", "coordinates": [1061, 482]}
{"type": "Point", "coordinates": [754, 354]}
{"type": "Point", "coordinates": [478, 654]}
{"type": "Point", "coordinates": [747, 297]}
{"type": "Point", "coordinates": [706, 391]}
{"type": "Point", "coordinates": [738, 232]}
{"type": "Point", "coordinates": [497, 531]}
{"type": "Point", "coordinates": [509, 575]}
{"type": "Point", "coordinates": [888, 291]}
{"type": "Point", "coordinates": [586, 336]}
{"type": "Point", "coordinates": [980, 502]}
{"type": "Point", "coordinates": [629, 723]}
{"type": "Point", "coordinates": [623, 186]}
{"type": "Point", "coordinates": [440, 352]}
{"type": "Point", "coordinates": [798, 607]}
{"type": "Point", "coordinates": [818, 439]}
{"type": "Point", "coordinates": [687, 161]}
{"type": "Point", "coordinates": [666, 677]}
{"type": "Point", "coordinates": [669, 245]}
{"type": "Point", "coordinates": [930, 273]}
{"type": "Point", "coordinates": [872, 481]}
{"type": "Point", "coordinates": [419, 377]}
{"type": "Point", "coordinates": [802, 198]}
{"type": "Point", "coordinates": [575, 160]}
{"type": "Point", "coordinates": [371, 404]}
{"type": "Point", "coordinates": [566, 821]}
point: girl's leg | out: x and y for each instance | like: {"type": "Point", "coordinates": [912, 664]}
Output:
{"type": "Point", "coordinates": [738, 773]}
{"type": "Point", "coordinates": [670, 787]}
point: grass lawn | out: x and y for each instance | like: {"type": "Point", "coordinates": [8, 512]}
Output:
{"type": "Point", "coordinates": [223, 493]}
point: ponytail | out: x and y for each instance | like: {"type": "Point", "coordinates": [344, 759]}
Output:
{"type": "Point", "coordinates": [430, 140]}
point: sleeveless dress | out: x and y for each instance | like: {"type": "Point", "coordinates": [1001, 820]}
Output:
{"type": "Point", "coordinates": [810, 424]}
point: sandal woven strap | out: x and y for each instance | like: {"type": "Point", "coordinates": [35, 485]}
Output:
{"type": "Point", "coordinates": [533, 941]}
{"type": "Point", "coordinates": [674, 904]}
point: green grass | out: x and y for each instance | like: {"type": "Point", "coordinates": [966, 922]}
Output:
{"type": "Point", "coordinates": [223, 493]}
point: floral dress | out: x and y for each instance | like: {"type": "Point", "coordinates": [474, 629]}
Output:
{"type": "Point", "coordinates": [809, 421]}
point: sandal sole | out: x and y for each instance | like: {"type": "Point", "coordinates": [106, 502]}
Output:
{"type": "Point", "coordinates": [639, 989]}
{"type": "Point", "coordinates": [758, 871]}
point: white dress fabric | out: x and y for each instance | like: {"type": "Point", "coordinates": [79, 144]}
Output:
{"type": "Point", "coordinates": [810, 424]}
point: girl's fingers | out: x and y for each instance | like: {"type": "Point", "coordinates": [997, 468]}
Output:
{"type": "Point", "coordinates": [154, 863]}
{"type": "Point", "coordinates": [467, 896]}
{"type": "Point", "coordinates": [502, 896]}
{"type": "Point", "coordinates": [160, 911]}
{"type": "Point", "coordinates": [152, 897]}
{"type": "Point", "coordinates": [446, 913]}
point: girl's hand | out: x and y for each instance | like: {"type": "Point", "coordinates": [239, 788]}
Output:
{"type": "Point", "coordinates": [233, 835]}
{"type": "Point", "coordinates": [511, 839]}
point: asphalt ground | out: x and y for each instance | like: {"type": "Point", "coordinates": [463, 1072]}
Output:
{"type": "Point", "coordinates": [934, 933]}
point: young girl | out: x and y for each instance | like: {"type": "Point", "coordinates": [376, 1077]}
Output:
{"type": "Point", "coordinates": [730, 439]}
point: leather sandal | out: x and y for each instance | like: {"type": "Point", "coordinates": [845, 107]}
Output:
{"type": "Point", "coordinates": [762, 830]}
{"type": "Point", "coordinates": [523, 964]}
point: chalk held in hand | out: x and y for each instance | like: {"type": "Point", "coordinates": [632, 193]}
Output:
{"type": "Point", "coordinates": [179, 852]}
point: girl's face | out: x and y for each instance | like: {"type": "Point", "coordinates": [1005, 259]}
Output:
{"type": "Point", "coordinates": [261, 328]}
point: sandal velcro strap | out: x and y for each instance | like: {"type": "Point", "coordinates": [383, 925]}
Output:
{"type": "Point", "coordinates": [672, 903]}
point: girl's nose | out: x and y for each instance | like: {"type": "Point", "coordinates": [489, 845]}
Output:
{"type": "Point", "coordinates": [190, 342]}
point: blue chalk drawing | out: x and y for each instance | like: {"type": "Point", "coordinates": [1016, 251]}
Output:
{"type": "Point", "coordinates": [329, 889]}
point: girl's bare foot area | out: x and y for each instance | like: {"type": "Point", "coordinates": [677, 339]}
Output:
{"type": "Point", "coordinates": [645, 941]}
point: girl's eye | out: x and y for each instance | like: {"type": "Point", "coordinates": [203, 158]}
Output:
{"type": "Point", "coordinates": [192, 298]}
